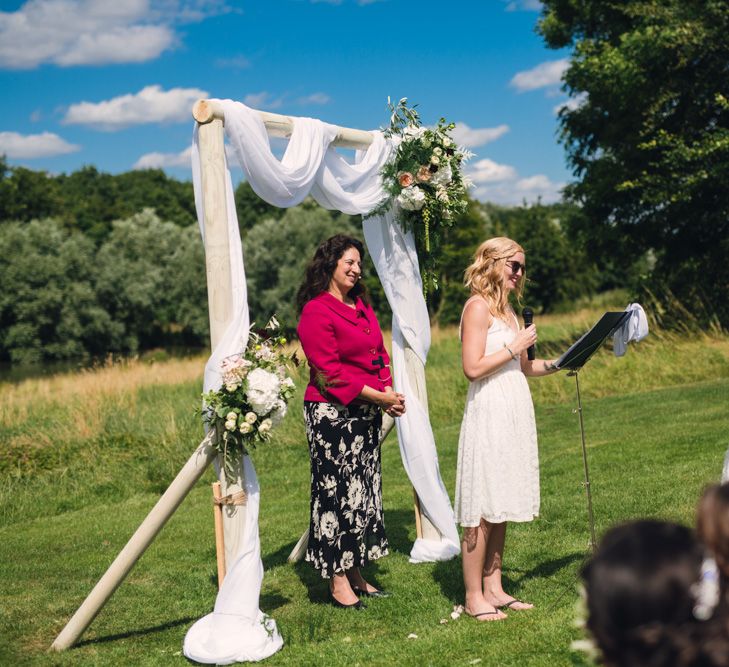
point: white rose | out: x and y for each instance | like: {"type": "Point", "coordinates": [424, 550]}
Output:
{"type": "Point", "coordinates": [288, 383]}
{"type": "Point", "coordinates": [447, 142]}
{"type": "Point", "coordinates": [245, 427]}
{"type": "Point", "coordinates": [232, 386]}
{"type": "Point", "coordinates": [262, 389]}
{"type": "Point", "coordinates": [413, 131]}
{"type": "Point", "coordinates": [437, 151]}
{"type": "Point", "coordinates": [251, 417]}
{"type": "Point", "coordinates": [443, 176]}
{"type": "Point", "coordinates": [265, 426]}
{"type": "Point", "coordinates": [230, 426]}
{"type": "Point", "coordinates": [411, 199]}
{"type": "Point", "coordinates": [434, 159]}
{"type": "Point", "coordinates": [231, 416]}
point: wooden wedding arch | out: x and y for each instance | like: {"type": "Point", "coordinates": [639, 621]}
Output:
{"type": "Point", "coordinates": [209, 117]}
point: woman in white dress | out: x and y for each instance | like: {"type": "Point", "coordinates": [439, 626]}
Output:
{"type": "Point", "coordinates": [498, 465]}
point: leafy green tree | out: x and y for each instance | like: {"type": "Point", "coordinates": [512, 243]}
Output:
{"type": "Point", "coordinates": [187, 287]}
{"type": "Point", "coordinates": [144, 266]}
{"type": "Point", "coordinates": [48, 305]}
{"type": "Point", "coordinates": [172, 200]}
{"type": "Point", "coordinates": [251, 209]}
{"type": "Point", "coordinates": [459, 244]}
{"type": "Point", "coordinates": [648, 139]}
{"type": "Point", "coordinates": [26, 194]}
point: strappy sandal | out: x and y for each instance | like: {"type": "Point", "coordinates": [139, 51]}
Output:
{"type": "Point", "coordinates": [508, 604]}
{"type": "Point", "coordinates": [488, 613]}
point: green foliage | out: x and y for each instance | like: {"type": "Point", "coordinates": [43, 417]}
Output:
{"type": "Point", "coordinates": [649, 141]}
{"type": "Point", "coordinates": [137, 279]}
{"type": "Point", "coordinates": [89, 201]}
{"type": "Point", "coordinates": [64, 299]}
{"type": "Point", "coordinates": [251, 209]}
{"type": "Point", "coordinates": [458, 246]}
{"type": "Point", "coordinates": [558, 270]}
{"type": "Point", "coordinates": [48, 304]}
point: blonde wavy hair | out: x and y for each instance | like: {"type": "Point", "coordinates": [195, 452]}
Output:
{"type": "Point", "coordinates": [485, 276]}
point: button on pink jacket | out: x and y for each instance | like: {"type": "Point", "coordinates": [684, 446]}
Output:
{"type": "Point", "coordinates": [340, 344]}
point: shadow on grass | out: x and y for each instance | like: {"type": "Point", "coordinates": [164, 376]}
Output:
{"type": "Point", "coordinates": [449, 576]}
{"type": "Point", "coordinates": [272, 601]}
{"type": "Point", "coordinates": [137, 633]}
{"type": "Point", "coordinates": [279, 557]}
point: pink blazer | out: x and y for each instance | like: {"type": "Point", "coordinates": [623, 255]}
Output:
{"type": "Point", "coordinates": [341, 344]}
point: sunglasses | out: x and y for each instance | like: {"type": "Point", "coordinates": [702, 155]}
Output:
{"type": "Point", "coordinates": [516, 266]}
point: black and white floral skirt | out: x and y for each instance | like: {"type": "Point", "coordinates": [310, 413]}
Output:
{"type": "Point", "coordinates": [347, 528]}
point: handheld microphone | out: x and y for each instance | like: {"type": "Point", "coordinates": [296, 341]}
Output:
{"type": "Point", "coordinates": [528, 315]}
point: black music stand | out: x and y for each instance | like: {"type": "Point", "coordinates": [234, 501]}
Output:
{"type": "Point", "coordinates": [574, 359]}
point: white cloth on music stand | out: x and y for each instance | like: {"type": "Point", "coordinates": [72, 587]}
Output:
{"type": "Point", "coordinates": [634, 329]}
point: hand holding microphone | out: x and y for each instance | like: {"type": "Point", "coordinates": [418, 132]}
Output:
{"type": "Point", "coordinates": [528, 315]}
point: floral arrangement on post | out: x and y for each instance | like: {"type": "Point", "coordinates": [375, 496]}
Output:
{"type": "Point", "coordinates": [424, 182]}
{"type": "Point", "coordinates": [252, 400]}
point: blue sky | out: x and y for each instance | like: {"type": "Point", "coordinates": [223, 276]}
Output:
{"type": "Point", "coordinates": [111, 83]}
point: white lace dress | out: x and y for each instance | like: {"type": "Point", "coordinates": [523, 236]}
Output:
{"type": "Point", "coordinates": [498, 463]}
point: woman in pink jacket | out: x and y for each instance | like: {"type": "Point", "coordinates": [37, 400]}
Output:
{"type": "Point", "coordinates": [349, 384]}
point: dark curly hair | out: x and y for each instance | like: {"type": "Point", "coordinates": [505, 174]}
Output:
{"type": "Point", "coordinates": [640, 598]}
{"type": "Point", "coordinates": [321, 269]}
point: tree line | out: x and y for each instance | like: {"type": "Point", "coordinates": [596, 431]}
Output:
{"type": "Point", "coordinates": [84, 274]}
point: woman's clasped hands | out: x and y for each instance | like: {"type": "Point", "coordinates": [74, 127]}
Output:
{"type": "Point", "coordinates": [393, 403]}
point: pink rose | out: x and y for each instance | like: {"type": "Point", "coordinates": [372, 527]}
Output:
{"type": "Point", "coordinates": [423, 174]}
{"type": "Point", "coordinates": [405, 178]}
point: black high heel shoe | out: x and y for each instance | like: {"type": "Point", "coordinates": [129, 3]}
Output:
{"type": "Point", "coordinates": [371, 594]}
{"type": "Point", "coordinates": [357, 606]}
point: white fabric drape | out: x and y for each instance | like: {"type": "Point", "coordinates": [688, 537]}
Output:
{"type": "Point", "coordinates": [634, 329]}
{"type": "Point", "coordinates": [310, 166]}
{"type": "Point", "coordinates": [237, 630]}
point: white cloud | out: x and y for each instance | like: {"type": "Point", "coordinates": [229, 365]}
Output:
{"type": "Point", "coordinates": [30, 146]}
{"type": "Point", "coordinates": [525, 5]}
{"type": "Point", "coordinates": [76, 32]}
{"type": "Point", "coordinates": [314, 98]}
{"type": "Point", "coordinates": [470, 137]}
{"type": "Point", "coordinates": [543, 75]}
{"type": "Point", "coordinates": [95, 32]}
{"type": "Point", "coordinates": [149, 105]}
{"type": "Point", "coordinates": [501, 184]}
{"type": "Point", "coordinates": [571, 104]}
{"type": "Point", "coordinates": [262, 99]}
{"type": "Point", "coordinates": [157, 160]}
{"type": "Point", "coordinates": [162, 160]}
{"type": "Point", "coordinates": [488, 171]}
{"type": "Point", "coordinates": [236, 62]}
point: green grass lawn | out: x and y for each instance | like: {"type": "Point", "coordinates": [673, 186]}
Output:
{"type": "Point", "coordinates": [75, 486]}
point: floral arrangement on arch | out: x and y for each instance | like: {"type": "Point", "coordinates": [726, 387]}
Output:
{"type": "Point", "coordinates": [253, 397]}
{"type": "Point", "coordinates": [424, 182]}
